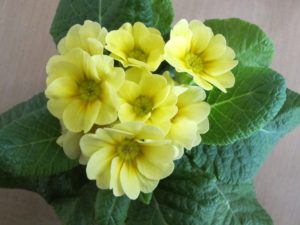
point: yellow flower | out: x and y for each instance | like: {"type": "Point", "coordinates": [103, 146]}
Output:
{"type": "Point", "coordinates": [193, 48]}
{"type": "Point", "coordinates": [129, 158]}
{"type": "Point", "coordinates": [147, 98]}
{"type": "Point", "coordinates": [136, 46]}
{"type": "Point", "coordinates": [191, 119]}
{"type": "Point", "coordinates": [82, 90]}
{"type": "Point", "coordinates": [89, 37]}
{"type": "Point", "coordinates": [69, 141]}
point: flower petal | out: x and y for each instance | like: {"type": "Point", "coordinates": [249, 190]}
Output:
{"type": "Point", "coordinates": [153, 171]}
{"type": "Point", "coordinates": [80, 116]}
{"type": "Point", "coordinates": [99, 162]}
{"type": "Point", "coordinates": [129, 181]}
{"type": "Point", "coordinates": [201, 36]}
{"type": "Point", "coordinates": [147, 185]}
{"type": "Point", "coordinates": [129, 91]}
{"type": "Point", "coordinates": [63, 87]}
{"type": "Point", "coordinates": [115, 180]}
{"type": "Point", "coordinates": [216, 48]}
{"type": "Point", "coordinates": [57, 106]}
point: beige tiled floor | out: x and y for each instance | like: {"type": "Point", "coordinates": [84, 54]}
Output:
{"type": "Point", "coordinates": [25, 46]}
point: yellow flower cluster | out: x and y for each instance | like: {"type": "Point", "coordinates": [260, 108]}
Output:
{"type": "Point", "coordinates": [127, 124]}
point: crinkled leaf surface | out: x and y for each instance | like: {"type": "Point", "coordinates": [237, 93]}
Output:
{"type": "Point", "coordinates": [49, 187]}
{"type": "Point", "coordinates": [110, 210]}
{"type": "Point", "coordinates": [240, 161]}
{"type": "Point", "coordinates": [251, 45]}
{"type": "Point", "coordinates": [28, 136]}
{"type": "Point", "coordinates": [255, 99]}
{"type": "Point", "coordinates": [92, 206]}
{"type": "Point", "coordinates": [111, 14]}
{"type": "Point", "coordinates": [197, 198]}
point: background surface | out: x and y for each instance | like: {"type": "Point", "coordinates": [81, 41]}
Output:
{"type": "Point", "coordinates": [25, 47]}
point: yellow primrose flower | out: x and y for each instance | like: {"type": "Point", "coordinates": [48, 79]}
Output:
{"type": "Point", "coordinates": [82, 90]}
{"type": "Point", "coordinates": [90, 37]}
{"type": "Point", "coordinates": [147, 98]}
{"type": "Point", "coordinates": [129, 158]}
{"type": "Point", "coordinates": [193, 48]}
{"type": "Point", "coordinates": [137, 46]}
{"type": "Point", "coordinates": [191, 118]}
{"type": "Point", "coordinates": [69, 141]}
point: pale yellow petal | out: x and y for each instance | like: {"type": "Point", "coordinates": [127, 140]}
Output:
{"type": "Point", "coordinates": [152, 42]}
{"type": "Point", "coordinates": [119, 41]}
{"type": "Point", "coordinates": [176, 47]}
{"type": "Point", "coordinates": [63, 87]}
{"type": "Point", "coordinates": [115, 181]}
{"type": "Point", "coordinates": [155, 171]}
{"type": "Point", "coordinates": [57, 106]}
{"type": "Point", "coordinates": [135, 74]}
{"type": "Point", "coordinates": [91, 143]}
{"type": "Point", "coordinates": [219, 67]}
{"type": "Point", "coordinates": [222, 81]}
{"type": "Point", "coordinates": [164, 113]}
{"type": "Point", "coordinates": [196, 112]}
{"type": "Point", "coordinates": [147, 185]}
{"type": "Point", "coordinates": [129, 181]}
{"type": "Point", "coordinates": [60, 66]}
{"type": "Point", "coordinates": [202, 83]}
{"type": "Point", "coordinates": [191, 95]}
{"type": "Point", "coordinates": [203, 126]}
{"type": "Point", "coordinates": [99, 161]}
{"type": "Point", "coordinates": [215, 49]}
{"type": "Point", "coordinates": [79, 116]}
{"type": "Point", "coordinates": [152, 84]}
{"type": "Point", "coordinates": [201, 36]}
{"type": "Point", "coordinates": [126, 114]}
{"type": "Point", "coordinates": [95, 47]}
{"type": "Point", "coordinates": [129, 91]}
{"type": "Point", "coordinates": [107, 114]}
{"type": "Point", "coordinates": [184, 132]}
{"type": "Point", "coordinates": [158, 153]}
{"type": "Point", "coordinates": [71, 144]}
{"type": "Point", "coordinates": [181, 29]}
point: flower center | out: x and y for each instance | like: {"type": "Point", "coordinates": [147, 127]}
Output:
{"type": "Point", "coordinates": [138, 54]}
{"type": "Point", "coordinates": [128, 149]}
{"type": "Point", "coordinates": [142, 105]}
{"type": "Point", "coordinates": [194, 62]}
{"type": "Point", "coordinates": [89, 90]}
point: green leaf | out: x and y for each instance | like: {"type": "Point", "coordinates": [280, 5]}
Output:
{"type": "Point", "coordinates": [179, 200]}
{"type": "Point", "coordinates": [255, 99]}
{"type": "Point", "coordinates": [163, 15]}
{"type": "Point", "coordinates": [110, 210]}
{"type": "Point", "coordinates": [240, 161]}
{"type": "Point", "coordinates": [77, 210]}
{"type": "Point", "coordinates": [251, 45]}
{"type": "Point", "coordinates": [196, 198]}
{"type": "Point", "coordinates": [239, 206]}
{"type": "Point", "coordinates": [28, 136]}
{"type": "Point", "coordinates": [111, 14]}
{"type": "Point", "coordinates": [145, 198]}
{"type": "Point", "coordinates": [51, 187]}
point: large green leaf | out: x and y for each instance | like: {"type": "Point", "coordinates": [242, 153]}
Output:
{"type": "Point", "coordinates": [255, 99]}
{"type": "Point", "coordinates": [251, 45]}
{"type": "Point", "coordinates": [239, 206]}
{"type": "Point", "coordinates": [110, 210]}
{"type": "Point", "coordinates": [77, 210]}
{"type": "Point", "coordinates": [92, 206]}
{"type": "Point", "coordinates": [50, 187]}
{"type": "Point", "coordinates": [28, 136]}
{"type": "Point", "coordinates": [194, 198]}
{"type": "Point", "coordinates": [111, 14]}
{"type": "Point", "coordinates": [240, 161]}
